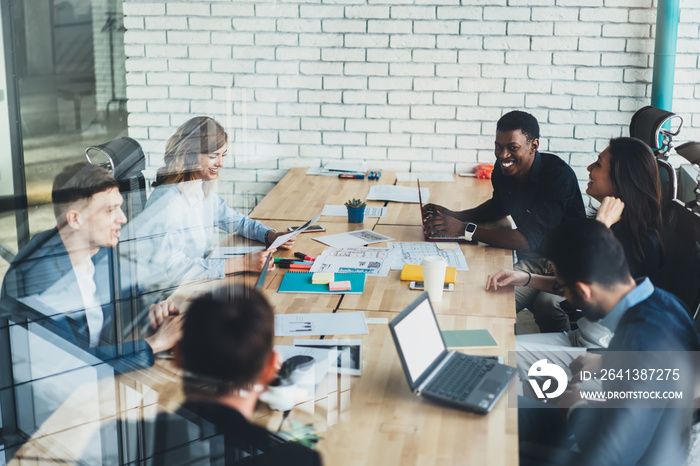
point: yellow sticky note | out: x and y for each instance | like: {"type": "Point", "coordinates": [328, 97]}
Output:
{"type": "Point", "coordinates": [447, 246]}
{"type": "Point", "coordinates": [322, 278]}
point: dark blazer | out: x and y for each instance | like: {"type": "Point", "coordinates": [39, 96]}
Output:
{"type": "Point", "coordinates": [43, 267]}
{"type": "Point", "coordinates": [205, 432]}
{"type": "Point", "coordinates": [637, 433]}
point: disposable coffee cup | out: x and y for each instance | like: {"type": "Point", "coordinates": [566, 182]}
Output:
{"type": "Point", "coordinates": [434, 268]}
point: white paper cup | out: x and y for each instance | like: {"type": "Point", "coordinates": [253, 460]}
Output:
{"type": "Point", "coordinates": [434, 268]}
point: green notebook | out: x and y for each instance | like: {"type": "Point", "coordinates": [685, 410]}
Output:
{"type": "Point", "coordinates": [300, 282]}
{"type": "Point", "coordinates": [468, 338]}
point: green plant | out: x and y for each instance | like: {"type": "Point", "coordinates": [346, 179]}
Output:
{"type": "Point", "coordinates": [302, 434]}
{"type": "Point", "coordinates": [355, 204]}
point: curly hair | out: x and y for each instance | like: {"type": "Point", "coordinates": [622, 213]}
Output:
{"type": "Point", "coordinates": [523, 121]}
{"type": "Point", "coordinates": [199, 135]}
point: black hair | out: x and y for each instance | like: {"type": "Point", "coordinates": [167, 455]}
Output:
{"type": "Point", "coordinates": [585, 250]}
{"type": "Point", "coordinates": [523, 121]}
{"type": "Point", "coordinates": [78, 181]}
{"type": "Point", "coordinates": [634, 175]}
{"type": "Point", "coordinates": [227, 337]}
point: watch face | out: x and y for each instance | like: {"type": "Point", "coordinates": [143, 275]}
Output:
{"type": "Point", "coordinates": [471, 228]}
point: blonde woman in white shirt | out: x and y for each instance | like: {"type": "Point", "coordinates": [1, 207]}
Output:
{"type": "Point", "coordinates": [178, 223]}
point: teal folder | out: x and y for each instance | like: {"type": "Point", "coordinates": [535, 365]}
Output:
{"type": "Point", "coordinates": [300, 282]}
{"type": "Point", "coordinates": [468, 338]}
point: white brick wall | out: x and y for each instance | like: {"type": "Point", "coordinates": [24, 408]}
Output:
{"type": "Point", "coordinates": [406, 85]}
{"type": "Point", "coordinates": [100, 38]}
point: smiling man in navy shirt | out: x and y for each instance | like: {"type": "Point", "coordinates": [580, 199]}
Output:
{"type": "Point", "coordinates": [538, 190]}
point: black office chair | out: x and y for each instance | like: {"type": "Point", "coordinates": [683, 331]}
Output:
{"type": "Point", "coordinates": [669, 183]}
{"type": "Point", "coordinates": [647, 124]}
{"type": "Point", "coordinates": [125, 160]}
{"type": "Point", "coordinates": [680, 273]}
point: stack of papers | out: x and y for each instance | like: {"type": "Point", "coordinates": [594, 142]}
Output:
{"type": "Point", "coordinates": [414, 253]}
{"type": "Point", "coordinates": [424, 177]}
{"type": "Point", "coordinates": [398, 194]}
{"type": "Point", "coordinates": [337, 323]}
{"type": "Point", "coordinates": [337, 167]}
{"type": "Point", "coordinates": [370, 261]}
{"type": "Point", "coordinates": [352, 239]}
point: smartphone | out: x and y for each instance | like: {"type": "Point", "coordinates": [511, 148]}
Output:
{"type": "Point", "coordinates": [311, 229]}
{"type": "Point", "coordinates": [419, 286]}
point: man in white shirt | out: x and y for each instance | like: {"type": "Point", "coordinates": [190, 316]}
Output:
{"type": "Point", "coordinates": [65, 273]}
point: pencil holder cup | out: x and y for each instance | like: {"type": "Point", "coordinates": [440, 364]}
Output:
{"type": "Point", "coordinates": [356, 215]}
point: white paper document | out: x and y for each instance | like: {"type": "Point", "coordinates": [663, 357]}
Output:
{"type": "Point", "coordinates": [342, 211]}
{"type": "Point", "coordinates": [398, 194]}
{"type": "Point", "coordinates": [343, 166]}
{"type": "Point", "coordinates": [425, 177]}
{"type": "Point", "coordinates": [348, 353]}
{"type": "Point", "coordinates": [284, 238]}
{"type": "Point", "coordinates": [337, 323]}
{"type": "Point", "coordinates": [370, 261]}
{"type": "Point", "coordinates": [352, 239]}
{"type": "Point", "coordinates": [225, 252]}
{"type": "Point", "coordinates": [413, 253]}
{"type": "Point", "coordinates": [336, 167]}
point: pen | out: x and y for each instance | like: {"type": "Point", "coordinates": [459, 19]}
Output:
{"type": "Point", "coordinates": [351, 177]}
{"type": "Point", "coordinates": [304, 257]}
{"type": "Point", "coordinates": [294, 265]}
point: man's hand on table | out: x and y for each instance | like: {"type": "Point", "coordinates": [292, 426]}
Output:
{"type": "Point", "coordinates": [167, 335]}
{"type": "Point", "coordinates": [442, 223]}
{"type": "Point", "coordinates": [251, 262]}
{"type": "Point", "coordinates": [506, 277]}
{"type": "Point", "coordinates": [158, 312]}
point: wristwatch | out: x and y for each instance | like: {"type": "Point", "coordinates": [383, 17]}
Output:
{"type": "Point", "coordinates": [271, 230]}
{"type": "Point", "coordinates": [469, 231]}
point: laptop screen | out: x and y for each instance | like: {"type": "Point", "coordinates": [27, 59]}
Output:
{"type": "Point", "coordinates": [418, 338]}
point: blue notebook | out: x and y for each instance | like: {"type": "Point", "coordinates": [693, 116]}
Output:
{"type": "Point", "coordinates": [300, 282]}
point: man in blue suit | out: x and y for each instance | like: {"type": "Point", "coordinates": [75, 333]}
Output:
{"type": "Point", "coordinates": [652, 330]}
{"type": "Point", "coordinates": [65, 274]}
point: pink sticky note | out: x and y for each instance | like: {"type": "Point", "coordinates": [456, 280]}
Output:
{"type": "Point", "coordinates": [340, 286]}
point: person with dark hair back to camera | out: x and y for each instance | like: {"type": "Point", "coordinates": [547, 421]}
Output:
{"type": "Point", "coordinates": [615, 427]}
{"type": "Point", "coordinates": [64, 273]}
{"type": "Point", "coordinates": [227, 358]}
{"type": "Point", "coordinates": [538, 190]}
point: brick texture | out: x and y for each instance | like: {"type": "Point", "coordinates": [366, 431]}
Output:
{"type": "Point", "coordinates": [406, 86]}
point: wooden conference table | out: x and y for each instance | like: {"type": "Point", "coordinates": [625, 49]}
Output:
{"type": "Point", "coordinates": [373, 419]}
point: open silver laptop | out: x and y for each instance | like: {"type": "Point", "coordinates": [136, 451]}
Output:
{"type": "Point", "coordinates": [468, 382]}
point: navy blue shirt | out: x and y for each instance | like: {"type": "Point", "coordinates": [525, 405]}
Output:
{"type": "Point", "coordinates": [648, 323]}
{"type": "Point", "coordinates": [549, 196]}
